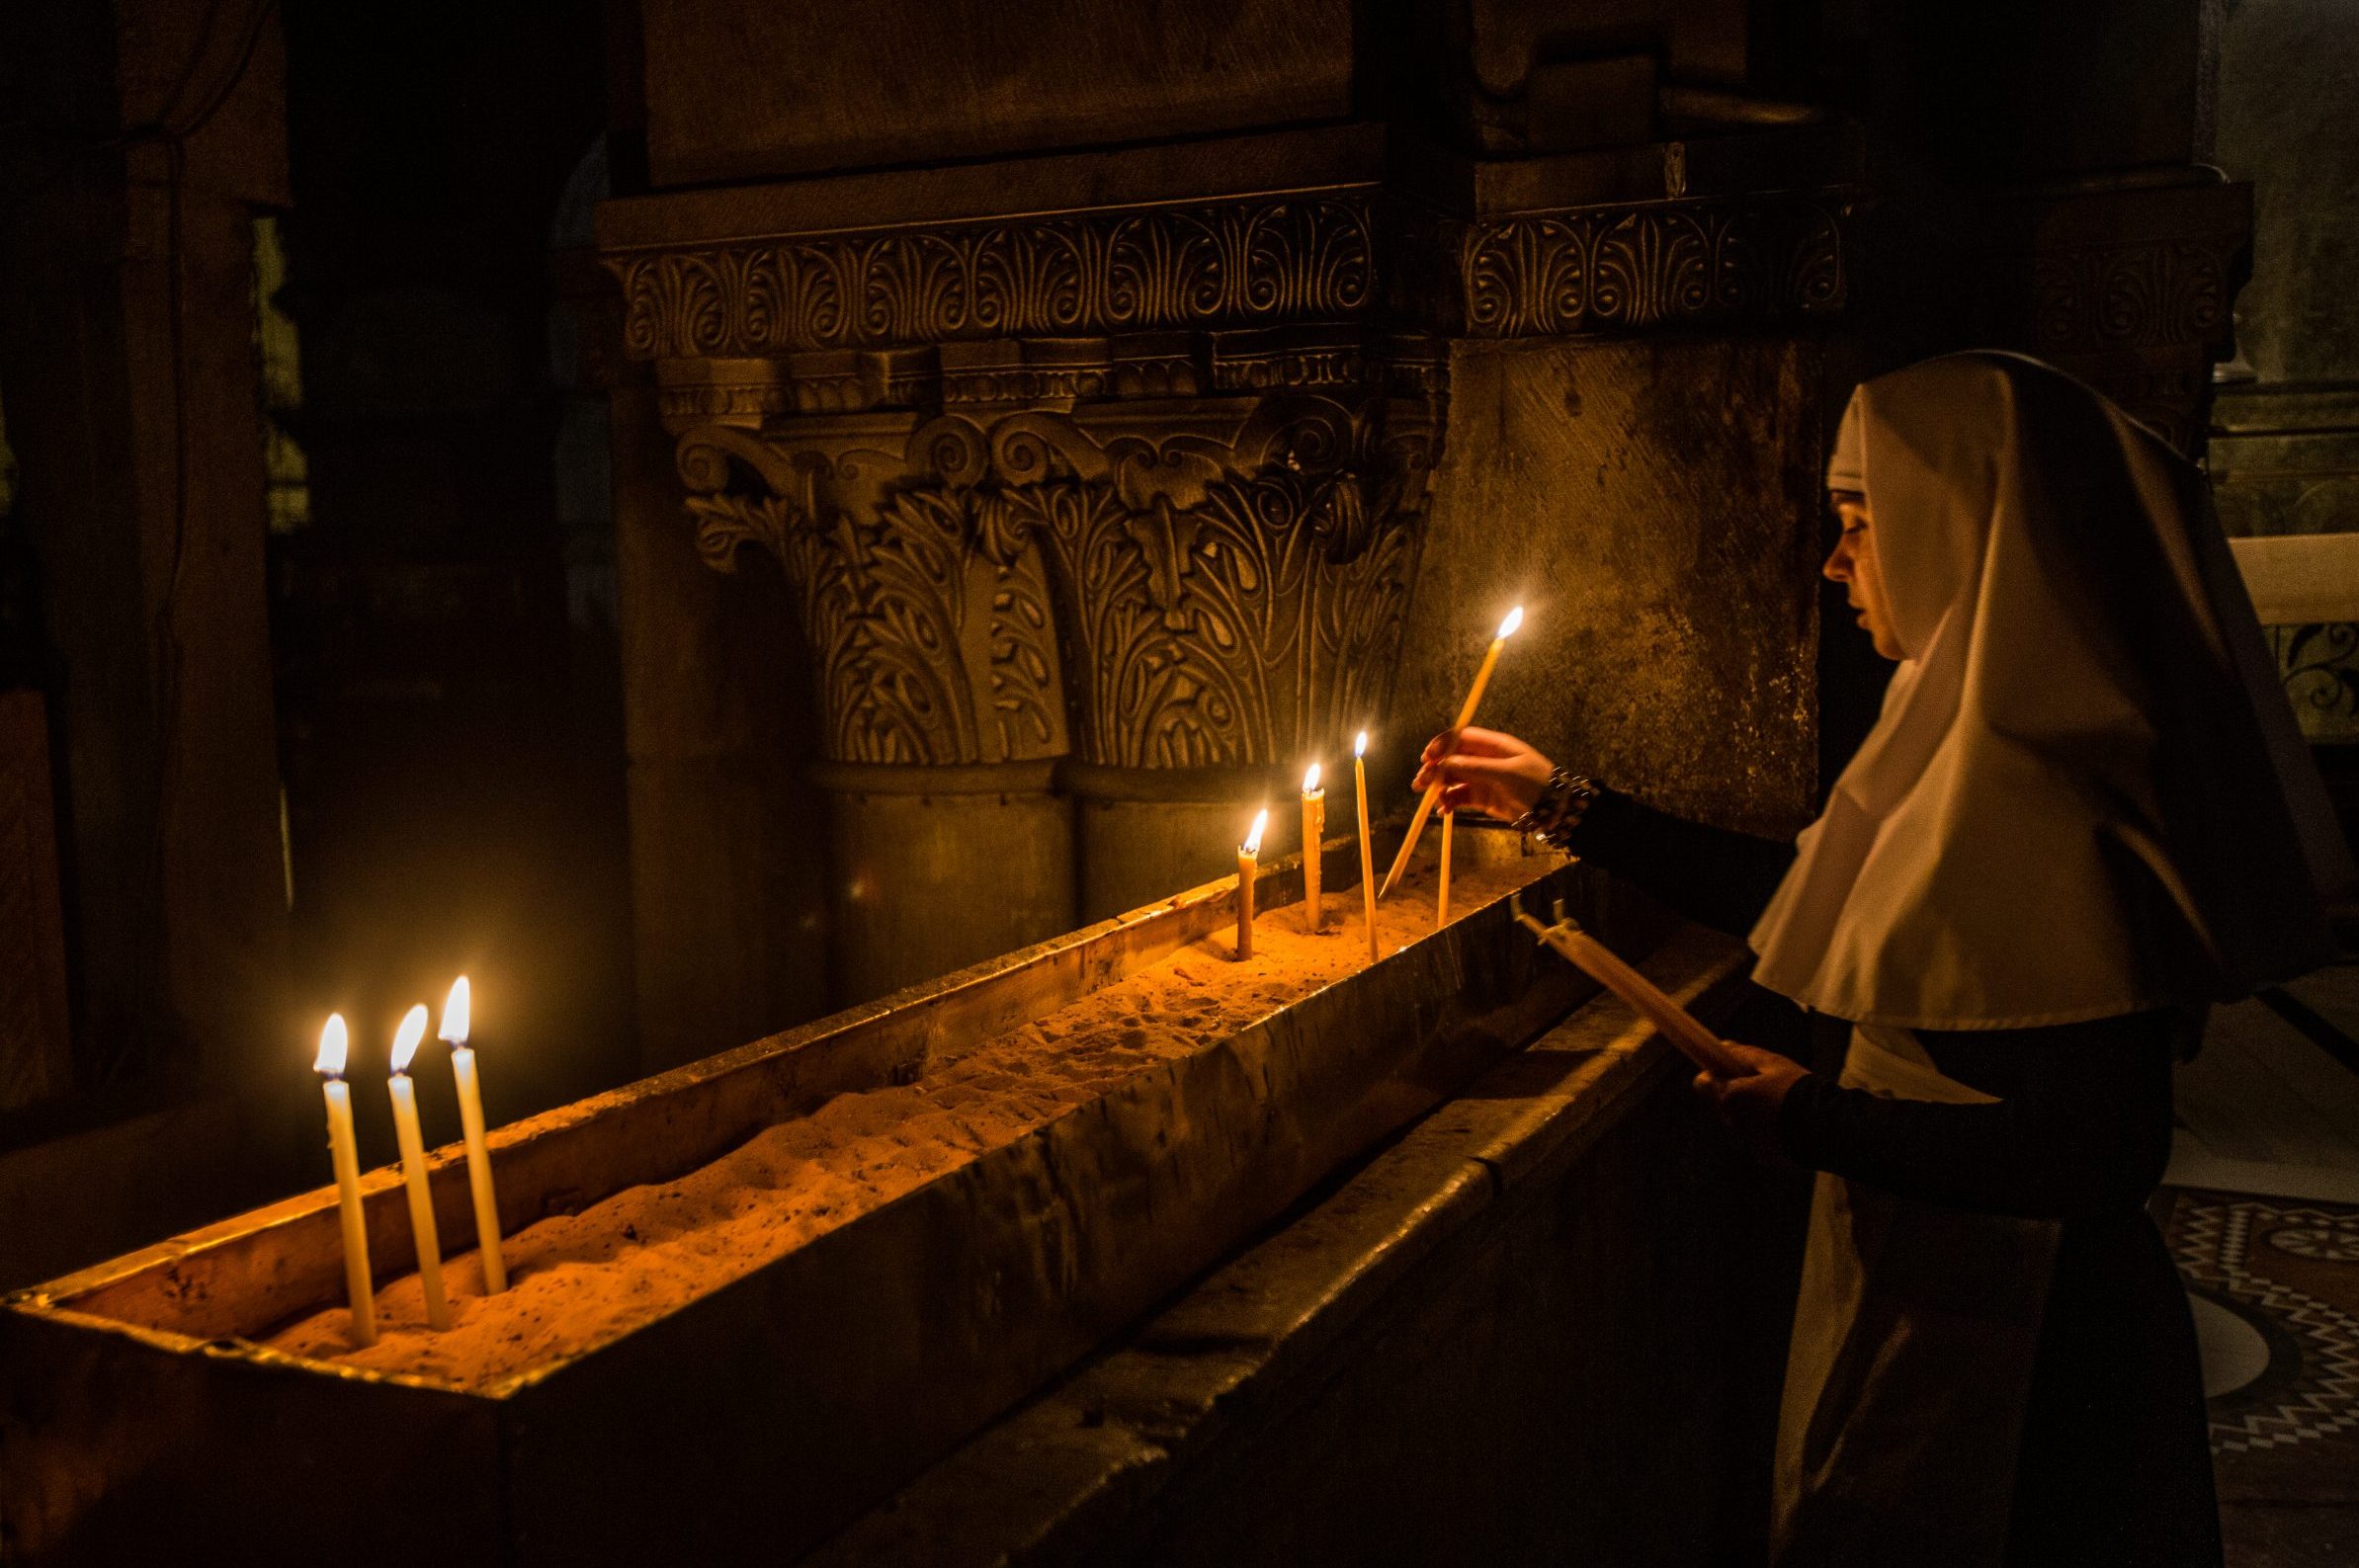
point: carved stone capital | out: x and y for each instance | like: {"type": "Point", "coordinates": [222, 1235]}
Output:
{"type": "Point", "coordinates": [923, 649]}
{"type": "Point", "coordinates": [1232, 581]}
{"type": "Point", "coordinates": [1209, 583]}
{"type": "Point", "coordinates": [1140, 484]}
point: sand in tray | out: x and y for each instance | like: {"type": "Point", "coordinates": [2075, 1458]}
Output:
{"type": "Point", "coordinates": [576, 1281]}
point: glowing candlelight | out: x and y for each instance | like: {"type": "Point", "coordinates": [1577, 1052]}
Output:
{"type": "Point", "coordinates": [456, 1015]}
{"type": "Point", "coordinates": [413, 1167]}
{"type": "Point", "coordinates": [1315, 828]}
{"type": "Point", "coordinates": [344, 1155]}
{"type": "Point", "coordinates": [1248, 865]}
{"type": "Point", "coordinates": [1367, 859]}
{"type": "Point", "coordinates": [1465, 717]}
{"type": "Point", "coordinates": [1441, 915]}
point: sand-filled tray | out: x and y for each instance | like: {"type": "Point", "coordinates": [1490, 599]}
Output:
{"type": "Point", "coordinates": [752, 1296]}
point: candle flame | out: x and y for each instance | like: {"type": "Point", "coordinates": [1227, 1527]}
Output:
{"type": "Point", "coordinates": [333, 1044]}
{"type": "Point", "coordinates": [1252, 845]}
{"type": "Point", "coordinates": [1311, 780]}
{"type": "Point", "coordinates": [406, 1038]}
{"type": "Point", "coordinates": [457, 1011]}
{"type": "Point", "coordinates": [1360, 746]}
{"type": "Point", "coordinates": [1515, 619]}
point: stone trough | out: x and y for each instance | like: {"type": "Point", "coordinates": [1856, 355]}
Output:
{"type": "Point", "coordinates": [140, 1403]}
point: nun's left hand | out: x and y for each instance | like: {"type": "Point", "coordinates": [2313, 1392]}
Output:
{"type": "Point", "coordinates": [1748, 1105]}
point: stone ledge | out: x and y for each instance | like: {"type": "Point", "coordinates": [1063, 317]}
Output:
{"type": "Point", "coordinates": [1218, 167]}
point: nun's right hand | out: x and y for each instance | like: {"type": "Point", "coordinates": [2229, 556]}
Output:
{"type": "Point", "coordinates": [1483, 769]}
{"type": "Point", "coordinates": [1750, 1106]}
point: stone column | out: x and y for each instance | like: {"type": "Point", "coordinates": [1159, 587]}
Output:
{"type": "Point", "coordinates": [936, 688]}
{"type": "Point", "coordinates": [1097, 525]}
{"type": "Point", "coordinates": [1181, 598]}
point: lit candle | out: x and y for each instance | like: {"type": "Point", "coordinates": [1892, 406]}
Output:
{"type": "Point", "coordinates": [1367, 859]}
{"type": "Point", "coordinates": [1315, 828]}
{"type": "Point", "coordinates": [413, 1167]}
{"type": "Point", "coordinates": [1248, 863]}
{"type": "Point", "coordinates": [1442, 915]}
{"type": "Point", "coordinates": [1465, 717]}
{"type": "Point", "coordinates": [344, 1154]}
{"type": "Point", "coordinates": [456, 1012]}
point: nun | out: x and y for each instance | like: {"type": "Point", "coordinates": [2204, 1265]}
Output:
{"type": "Point", "coordinates": [2083, 815]}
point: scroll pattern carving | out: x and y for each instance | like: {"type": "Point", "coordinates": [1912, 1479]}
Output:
{"type": "Point", "coordinates": [1220, 595]}
{"type": "Point", "coordinates": [2319, 666]}
{"type": "Point", "coordinates": [2140, 322]}
{"type": "Point", "coordinates": [2128, 289]}
{"type": "Point", "coordinates": [2149, 295]}
{"type": "Point", "coordinates": [1120, 270]}
{"type": "Point", "coordinates": [1671, 264]}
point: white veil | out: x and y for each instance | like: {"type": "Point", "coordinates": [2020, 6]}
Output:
{"type": "Point", "coordinates": [2087, 795]}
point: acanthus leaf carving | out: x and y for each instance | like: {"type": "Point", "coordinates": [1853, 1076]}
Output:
{"type": "Point", "coordinates": [1226, 599]}
{"type": "Point", "coordinates": [1220, 595]}
{"type": "Point", "coordinates": [905, 621]}
{"type": "Point", "coordinates": [1629, 269]}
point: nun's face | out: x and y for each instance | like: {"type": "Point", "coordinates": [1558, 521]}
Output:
{"type": "Point", "coordinates": [1853, 564]}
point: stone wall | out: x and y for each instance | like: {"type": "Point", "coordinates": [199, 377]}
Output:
{"type": "Point", "coordinates": [1641, 500]}
{"type": "Point", "coordinates": [127, 348]}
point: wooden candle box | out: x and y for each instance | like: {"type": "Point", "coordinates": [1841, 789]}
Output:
{"type": "Point", "coordinates": [138, 1409]}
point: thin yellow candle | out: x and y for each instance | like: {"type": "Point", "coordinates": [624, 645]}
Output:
{"type": "Point", "coordinates": [344, 1154]}
{"type": "Point", "coordinates": [1315, 828]}
{"type": "Point", "coordinates": [413, 1167]}
{"type": "Point", "coordinates": [456, 1015]}
{"type": "Point", "coordinates": [1367, 859]}
{"type": "Point", "coordinates": [1248, 865]}
{"type": "Point", "coordinates": [1465, 717]}
{"type": "Point", "coordinates": [1441, 915]}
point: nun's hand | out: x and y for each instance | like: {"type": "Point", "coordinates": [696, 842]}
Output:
{"type": "Point", "coordinates": [1482, 769]}
{"type": "Point", "coordinates": [1748, 1107]}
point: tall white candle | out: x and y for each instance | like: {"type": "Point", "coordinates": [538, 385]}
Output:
{"type": "Point", "coordinates": [456, 1015]}
{"type": "Point", "coordinates": [1367, 859]}
{"type": "Point", "coordinates": [344, 1155]}
{"type": "Point", "coordinates": [413, 1167]}
{"type": "Point", "coordinates": [1465, 717]}
{"type": "Point", "coordinates": [1248, 868]}
{"type": "Point", "coordinates": [1315, 828]}
{"type": "Point", "coordinates": [1441, 915]}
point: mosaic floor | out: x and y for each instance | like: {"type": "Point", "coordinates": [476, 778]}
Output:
{"type": "Point", "coordinates": [2275, 1288]}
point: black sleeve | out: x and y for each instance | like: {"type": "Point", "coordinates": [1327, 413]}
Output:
{"type": "Point", "coordinates": [1713, 877]}
{"type": "Point", "coordinates": [2082, 1124]}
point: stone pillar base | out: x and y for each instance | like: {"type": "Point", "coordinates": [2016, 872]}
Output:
{"type": "Point", "coordinates": [940, 868]}
{"type": "Point", "coordinates": [1147, 833]}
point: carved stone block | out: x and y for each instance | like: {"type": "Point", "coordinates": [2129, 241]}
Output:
{"type": "Point", "coordinates": [1627, 269]}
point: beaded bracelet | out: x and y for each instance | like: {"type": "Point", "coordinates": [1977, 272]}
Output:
{"type": "Point", "coordinates": [1562, 803]}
